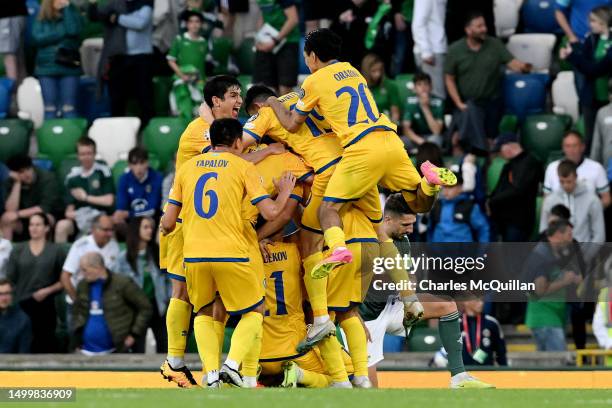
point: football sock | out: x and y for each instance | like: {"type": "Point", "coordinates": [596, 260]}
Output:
{"type": "Point", "coordinates": [311, 379]}
{"type": "Point", "coordinates": [357, 344]}
{"type": "Point", "coordinates": [251, 359]}
{"type": "Point", "coordinates": [206, 339]}
{"type": "Point", "coordinates": [220, 331]}
{"type": "Point", "coordinates": [429, 189]}
{"type": "Point", "coordinates": [331, 352]}
{"type": "Point", "coordinates": [248, 329]}
{"type": "Point", "coordinates": [177, 325]}
{"type": "Point", "coordinates": [450, 334]}
{"type": "Point", "coordinates": [316, 288]}
{"type": "Point", "coordinates": [334, 237]}
{"type": "Point", "coordinates": [397, 275]}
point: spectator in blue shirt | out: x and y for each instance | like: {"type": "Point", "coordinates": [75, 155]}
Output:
{"type": "Point", "coordinates": [457, 218]}
{"type": "Point", "coordinates": [139, 190]}
{"type": "Point", "coordinates": [15, 326]}
{"type": "Point", "coordinates": [578, 11]}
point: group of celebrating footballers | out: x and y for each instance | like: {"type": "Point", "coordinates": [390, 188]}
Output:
{"type": "Point", "coordinates": [223, 245]}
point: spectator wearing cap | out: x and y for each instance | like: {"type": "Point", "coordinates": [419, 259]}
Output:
{"type": "Point", "coordinates": [585, 208]}
{"type": "Point", "coordinates": [277, 57]}
{"type": "Point", "coordinates": [139, 190]}
{"type": "Point", "coordinates": [15, 326]}
{"type": "Point", "coordinates": [473, 81]}
{"type": "Point", "coordinates": [512, 205]}
{"type": "Point", "coordinates": [590, 172]}
{"type": "Point", "coordinates": [457, 218]}
{"type": "Point", "coordinates": [30, 190]}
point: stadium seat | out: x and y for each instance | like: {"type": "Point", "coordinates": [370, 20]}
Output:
{"type": "Point", "coordinates": [161, 137]}
{"type": "Point", "coordinates": [91, 50]}
{"type": "Point", "coordinates": [89, 104]}
{"type": "Point", "coordinates": [525, 94]}
{"type": "Point", "coordinates": [65, 166]}
{"type": "Point", "coordinates": [508, 124]}
{"type": "Point", "coordinates": [162, 86]}
{"type": "Point", "coordinates": [506, 14]}
{"type": "Point", "coordinates": [57, 138]}
{"type": "Point", "coordinates": [30, 101]}
{"type": "Point", "coordinates": [6, 89]}
{"type": "Point", "coordinates": [42, 161]}
{"type": "Point", "coordinates": [538, 16]}
{"type": "Point", "coordinates": [542, 134]}
{"type": "Point", "coordinates": [424, 339]}
{"type": "Point", "coordinates": [120, 167]}
{"type": "Point", "coordinates": [554, 155]}
{"type": "Point", "coordinates": [245, 56]}
{"type": "Point", "coordinates": [221, 50]}
{"type": "Point", "coordinates": [564, 95]}
{"type": "Point", "coordinates": [536, 49]}
{"type": "Point", "coordinates": [405, 86]}
{"type": "Point", "coordinates": [14, 137]}
{"type": "Point", "coordinates": [114, 136]}
{"type": "Point", "coordinates": [494, 172]}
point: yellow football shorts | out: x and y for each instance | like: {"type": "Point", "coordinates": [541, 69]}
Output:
{"type": "Point", "coordinates": [255, 259]}
{"type": "Point", "coordinates": [238, 286]}
{"type": "Point", "coordinates": [378, 158]}
{"type": "Point", "coordinates": [174, 253]}
{"type": "Point", "coordinates": [347, 286]}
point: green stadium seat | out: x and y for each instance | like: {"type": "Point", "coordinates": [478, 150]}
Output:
{"type": "Point", "coordinates": [118, 169]}
{"type": "Point", "coordinates": [508, 124]}
{"type": "Point", "coordinates": [542, 134]}
{"type": "Point", "coordinates": [14, 137]}
{"type": "Point", "coordinates": [65, 166]}
{"type": "Point", "coordinates": [161, 138]}
{"type": "Point", "coordinates": [493, 173]}
{"type": "Point", "coordinates": [57, 138]}
{"type": "Point", "coordinates": [554, 155]}
{"type": "Point", "coordinates": [245, 56]}
{"type": "Point", "coordinates": [405, 86]}
{"type": "Point", "coordinates": [221, 50]}
{"type": "Point", "coordinates": [424, 339]}
{"type": "Point", "coordinates": [162, 86]}
{"type": "Point", "coordinates": [579, 125]}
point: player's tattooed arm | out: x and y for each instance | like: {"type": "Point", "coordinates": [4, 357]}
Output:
{"type": "Point", "coordinates": [290, 120]}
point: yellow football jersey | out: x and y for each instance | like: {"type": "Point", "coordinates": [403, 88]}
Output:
{"type": "Point", "coordinates": [195, 140]}
{"type": "Point", "coordinates": [210, 188]}
{"type": "Point", "coordinates": [272, 167]}
{"type": "Point", "coordinates": [340, 93]}
{"type": "Point", "coordinates": [283, 323]}
{"type": "Point", "coordinates": [313, 141]}
{"type": "Point", "coordinates": [358, 227]}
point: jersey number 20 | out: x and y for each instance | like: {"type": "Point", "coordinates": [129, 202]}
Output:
{"type": "Point", "coordinates": [199, 194]}
{"type": "Point", "coordinates": [358, 95]}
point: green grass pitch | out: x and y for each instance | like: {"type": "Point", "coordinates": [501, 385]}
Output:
{"type": "Point", "coordinates": [330, 398]}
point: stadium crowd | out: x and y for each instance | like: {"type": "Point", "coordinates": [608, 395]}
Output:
{"type": "Point", "coordinates": [442, 70]}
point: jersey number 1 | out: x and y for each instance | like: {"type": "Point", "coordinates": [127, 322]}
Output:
{"type": "Point", "coordinates": [358, 95]}
{"type": "Point", "coordinates": [279, 291]}
{"type": "Point", "coordinates": [199, 194]}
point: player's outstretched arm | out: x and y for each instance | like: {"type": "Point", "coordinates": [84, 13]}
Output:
{"type": "Point", "coordinates": [168, 220]}
{"type": "Point", "coordinates": [273, 226]}
{"type": "Point", "coordinates": [258, 155]}
{"type": "Point", "coordinates": [290, 120]}
{"type": "Point", "coordinates": [270, 209]}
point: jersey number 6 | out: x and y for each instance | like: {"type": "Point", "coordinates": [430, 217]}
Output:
{"type": "Point", "coordinates": [199, 194]}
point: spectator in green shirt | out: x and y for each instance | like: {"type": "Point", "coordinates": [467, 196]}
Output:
{"type": "Point", "coordinates": [187, 58]}
{"type": "Point", "coordinates": [29, 191]}
{"type": "Point", "coordinates": [89, 191]}
{"type": "Point", "coordinates": [384, 90]}
{"type": "Point", "coordinates": [140, 261]}
{"type": "Point", "coordinates": [277, 58]}
{"type": "Point", "coordinates": [423, 119]}
{"type": "Point", "coordinates": [473, 77]}
{"type": "Point", "coordinates": [552, 276]}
